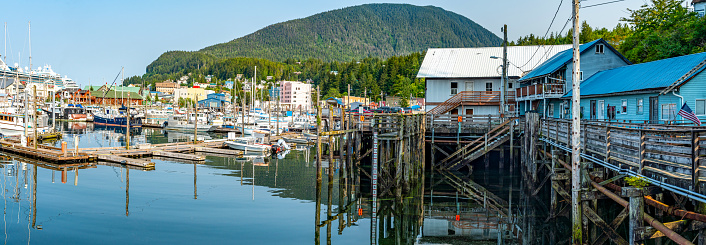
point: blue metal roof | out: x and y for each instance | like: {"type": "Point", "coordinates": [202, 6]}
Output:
{"type": "Point", "coordinates": [563, 58]}
{"type": "Point", "coordinates": [651, 75]}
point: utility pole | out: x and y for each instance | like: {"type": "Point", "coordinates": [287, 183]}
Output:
{"type": "Point", "coordinates": [503, 87]}
{"type": "Point", "coordinates": [576, 168]}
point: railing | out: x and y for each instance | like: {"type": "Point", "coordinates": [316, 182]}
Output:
{"type": "Point", "coordinates": [663, 153]}
{"type": "Point", "coordinates": [545, 90]}
{"type": "Point", "coordinates": [472, 98]}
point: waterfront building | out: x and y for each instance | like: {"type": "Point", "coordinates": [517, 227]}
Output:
{"type": "Point", "coordinates": [468, 80]}
{"type": "Point", "coordinates": [115, 98]}
{"type": "Point", "coordinates": [551, 80]}
{"type": "Point", "coordinates": [167, 87]}
{"type": "Point", "coordinates": [295, 95]}
{"type": "Point", "coordinates": [215, 101]}
{"type": "Point", "coordinates": [652, 91]}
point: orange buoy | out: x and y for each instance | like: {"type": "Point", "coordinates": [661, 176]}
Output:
{"type": "Point", "coordinates": [360, 211]}
{"type": "Point", "coordinates": [458, 217]}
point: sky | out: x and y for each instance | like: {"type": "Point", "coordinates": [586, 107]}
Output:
{"type": "Point", "coordinates": [89, 41]}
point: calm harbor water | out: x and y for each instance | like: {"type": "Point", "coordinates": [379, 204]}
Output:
{"type": "Point", "coordinates": [222, 201]}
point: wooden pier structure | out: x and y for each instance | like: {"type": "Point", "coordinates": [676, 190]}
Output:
{"type": "Point", "coordinates": [135, 156]}
{"type": "Point", "coordinates": [624, 166]}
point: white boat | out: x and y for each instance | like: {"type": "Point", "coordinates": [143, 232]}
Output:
{"type": "Point", "coordinates": [186, 122]}
{"type": "Point", "coordinates": [248, 144]}
{"type": "Point", "coordinates": [13, 121]}
{"type": "Point", "coordinates": [157, 118]}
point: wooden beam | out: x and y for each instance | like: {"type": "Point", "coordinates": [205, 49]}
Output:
{"type": "Point", "coordinates": [609, 231]}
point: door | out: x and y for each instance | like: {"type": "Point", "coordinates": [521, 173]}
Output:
{"type": "Point", "coordinates": [600, 110]}
{"type": "Point", "coordinates": [469, 86]}
{"type": "Point", "coordinates": [654, 109]}
{"type": "Point", "coordinates": [593, 109]}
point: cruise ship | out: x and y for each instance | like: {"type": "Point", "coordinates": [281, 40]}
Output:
{"type": "Point", "coordinates": [43, 74]}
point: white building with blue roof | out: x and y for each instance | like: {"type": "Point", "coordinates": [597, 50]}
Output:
{"type": "Point", "coordinates": [649, 92]}
{"type": "Point", "coordinates": [541, 89]}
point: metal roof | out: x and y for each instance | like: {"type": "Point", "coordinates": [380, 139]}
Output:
{"type": "Point", "coordinates": [565, 57]}
{"type": "Point", "coordinates": [476, 62]}
{"type": "Point", "coordinates": [646, 76]}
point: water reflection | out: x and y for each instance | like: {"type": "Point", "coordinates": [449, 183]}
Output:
{"type": "Point", "coordinates": [256, 200]}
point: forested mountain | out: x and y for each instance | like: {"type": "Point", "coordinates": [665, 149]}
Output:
{"type": "Point", "coordinates": [371, 30]}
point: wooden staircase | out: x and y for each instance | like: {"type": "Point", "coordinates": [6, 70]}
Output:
{"type": "Point", "coordinates": [477, 148]}
{"type": "Point", "coordinates": [449, 104]}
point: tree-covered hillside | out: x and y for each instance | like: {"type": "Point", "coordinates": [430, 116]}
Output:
{"type": "Point", "coordinates": [371, 30]}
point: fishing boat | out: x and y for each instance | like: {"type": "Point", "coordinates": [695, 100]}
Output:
{"type": "Point", "coordinates": [16, 122]}
{"type": "Point", "coordinates": [116, 118]}
{"type": "Point", "coordinates": [71, 112]}
{"type": "Point", "coordinates": [248, 144]}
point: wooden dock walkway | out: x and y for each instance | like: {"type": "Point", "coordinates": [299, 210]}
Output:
{"type": "Point", "coordinates": [119, 155]}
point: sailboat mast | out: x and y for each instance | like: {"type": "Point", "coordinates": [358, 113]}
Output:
{"type": "Point", "coordinates": [29, 28]}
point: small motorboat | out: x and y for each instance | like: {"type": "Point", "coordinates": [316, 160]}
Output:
{"type": "Point", "coordinates": [248, 144]}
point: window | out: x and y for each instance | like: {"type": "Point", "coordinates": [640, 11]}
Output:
{"type": "Point", "coordinates": [509, 85]}
{"type": "Point", "coordinates": [639, 107]}
{"type": "Point", "coordinates": [488, 87]}
{"type": "Point", "coordinates": [669, 111]}
{"type": "Point", "coordinates": [550, 110]}
{"type": "Point", "coordinates": [700, 107]}
{"type": "Point", "coordinates": [454, 88]}
{"type": "Point", "coordinates": [624, 107]}
{"type": "Point", "coordinates": [599, 48]}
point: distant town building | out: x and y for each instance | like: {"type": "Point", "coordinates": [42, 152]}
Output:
{"type": "Point", "coordinates": [295, 95]}
{"type": "Point", "coordinates": [191, 93]}
{"type": "Point", "coordinates": [167, 87]}
{"type": "Point", "coordinates": [347, 100]}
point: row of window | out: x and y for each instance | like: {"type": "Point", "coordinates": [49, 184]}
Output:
{"type": "Point", "coordinates": [488, 87]}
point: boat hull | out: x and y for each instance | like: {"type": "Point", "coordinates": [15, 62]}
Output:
{"type": "Point", "coordinates": [117, 121]}
{"type": "Point", "coordinates": [248, 147]}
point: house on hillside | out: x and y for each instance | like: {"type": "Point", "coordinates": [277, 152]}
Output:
{"type": "Point", "coordinates": [653, 91]}
{"type": "Point", "coordinates": [548, 82]}
{"type": "Point", "coordinates": [468, 80]}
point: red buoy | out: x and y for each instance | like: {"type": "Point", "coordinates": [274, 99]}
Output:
{"type": "Point", "coordinates": [458, 217]}
{"type": "Point", "coordinates": [360, 211]}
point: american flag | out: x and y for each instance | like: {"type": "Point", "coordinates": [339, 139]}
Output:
{"type": "Point", "coordinates": [686, 112]}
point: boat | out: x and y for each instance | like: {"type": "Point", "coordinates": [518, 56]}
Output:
{"type": "Point", "coordinates": [71, 112]}
{"type": "Point", "coordinates": [13, 121]}
{"type": "Point", "coordinates": [156, 118]}
{"type": "Point", "coordinates": [248, 144]}
{"type": "Point", "coordinates": [297, 140]}
{"type": "Point", "coordinates": [115, 118]}
{"type": "Point", "coordinates": [186, 122]}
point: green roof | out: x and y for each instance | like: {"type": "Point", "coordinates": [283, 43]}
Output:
{"type": "Point", "coordinates": [117, 94]}
{"type": "Point", "coordinates": [131, 89]}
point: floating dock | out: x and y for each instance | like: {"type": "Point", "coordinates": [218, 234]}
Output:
{"type": "Point", "coordinates": [135, 156]}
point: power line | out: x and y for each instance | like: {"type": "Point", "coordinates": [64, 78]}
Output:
{"type": "Point", "coordinates": [545, 34]}
{"type": "Point", "coordinates": [599, 4]}
{"type": "Point", "coordinates": [555, 41]}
